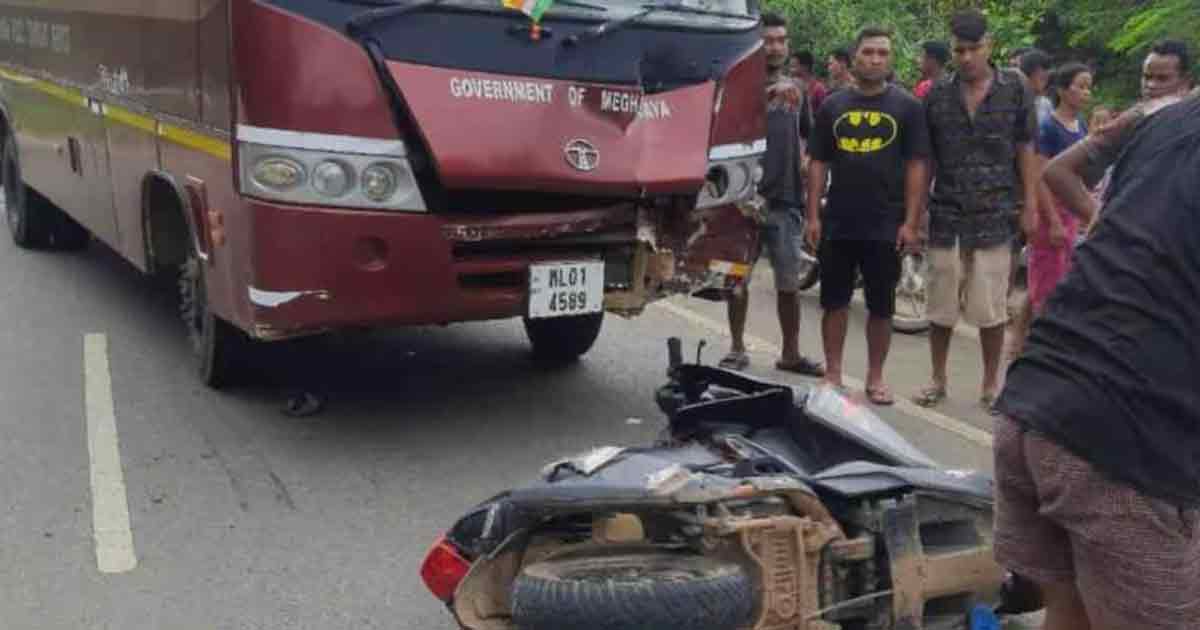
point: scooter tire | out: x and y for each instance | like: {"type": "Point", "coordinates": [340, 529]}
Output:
{"type": "Point", "coordinates": [633, 591]}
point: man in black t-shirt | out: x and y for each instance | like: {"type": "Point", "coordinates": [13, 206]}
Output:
{"type": "Point", "coordinates": [873, 139]}
{"type": "Point", "coordinates": [1098, 455]}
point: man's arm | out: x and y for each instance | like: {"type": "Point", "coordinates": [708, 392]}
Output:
{"type": "Point", "coordinates": [1065, 175]}
{"type": "Point", "coordinates": [818, 171]}
{"type": "Point", "coordinates": [916, 190]}
{"type": "Point", "coordinates": [806, 115]}
{"type": "Point", "coordinates": [1028, 162]}
{"type": "Point", "coordinates": [1070, 174]}
{"type": "Point", "coordinates": [916, 150]}
{"type": "Point", "coordinates": [806, 134]}
{"type": "Point", "coordinates": [1025, 135]}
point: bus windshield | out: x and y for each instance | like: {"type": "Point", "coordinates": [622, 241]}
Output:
{"type": "Point", "coordinates": [699, 13]}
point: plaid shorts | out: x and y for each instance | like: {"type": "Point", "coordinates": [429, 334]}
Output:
{"type": "Point", "coordinates": [1134, 559]}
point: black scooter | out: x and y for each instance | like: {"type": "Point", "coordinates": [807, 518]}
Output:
{"type": "Point", "coordinates": [762, 505]}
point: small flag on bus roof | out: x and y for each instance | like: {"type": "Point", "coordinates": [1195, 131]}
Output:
{"type": "Point", "coordinates": [533, 8]}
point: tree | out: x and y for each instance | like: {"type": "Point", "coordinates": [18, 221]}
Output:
{"type": "Point", "coordinates": [823, 25]}
{"type": "Point", "coordinates": [1110, 35]}
{"type": "Point", "coordinates": [1120, 32]}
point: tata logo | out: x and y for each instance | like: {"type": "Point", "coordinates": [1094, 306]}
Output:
{"type": "Point", "coordinates": [581, 155]}
{"type": "Point", "coordinates": [859, 131]}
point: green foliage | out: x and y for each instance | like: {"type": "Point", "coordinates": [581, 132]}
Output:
{"type": "Point", "coordinates": [1111, 35]}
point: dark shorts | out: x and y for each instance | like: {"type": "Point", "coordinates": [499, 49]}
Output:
{"type": "Point", "coordinates": [841, 263]}
{"type": "Point", "coordinates": [1135, 560]}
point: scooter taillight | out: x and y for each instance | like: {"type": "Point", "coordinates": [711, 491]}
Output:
{"type": "Point", "coordinates": [444, 568]}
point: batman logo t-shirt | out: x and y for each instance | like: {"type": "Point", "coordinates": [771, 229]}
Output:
{"type": "Point", "coordinates": [866, 141]}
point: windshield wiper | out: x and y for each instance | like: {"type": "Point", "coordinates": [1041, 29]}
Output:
{"type": "Point", "coordinates": [647, 9]}
{"type": "Point", "coordinates": [682, 8]}
{"type": "Point", "coordinates": [384, 9]}
{"type": "Point", "coordinates": [581, 5]}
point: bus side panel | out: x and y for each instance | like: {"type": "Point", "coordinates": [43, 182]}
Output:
{"type": "Point", "coordinates": [44, 126]}
{"type": "Point", "coordinates": [60, 138]}
{"type": "Point", "coordinates": [214, 66]}
{"type": "Point", "coordinates": [132, 143]}
{"type": "Point", "coordinates": [172, 62]}
{"type": "Point", "coordinates": [134, 153]}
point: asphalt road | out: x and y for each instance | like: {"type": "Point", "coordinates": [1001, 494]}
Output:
{"type": "Point", "coordinates": [242, 517]}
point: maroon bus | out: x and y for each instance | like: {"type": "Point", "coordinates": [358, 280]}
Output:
{"type": "Point", "coordinates": [298, 166]}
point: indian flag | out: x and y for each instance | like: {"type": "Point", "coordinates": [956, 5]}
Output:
{"type": "Point", "coordinates": [533, 8]}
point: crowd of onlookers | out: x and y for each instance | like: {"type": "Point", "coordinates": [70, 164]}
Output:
{"type": "Point", "coordinates": [1097, 434]}
{"type": "Point", "coordinates": [1043, 228]}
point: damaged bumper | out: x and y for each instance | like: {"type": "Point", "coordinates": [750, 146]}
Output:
{"type": "Point", "coordinates": [318, 269]}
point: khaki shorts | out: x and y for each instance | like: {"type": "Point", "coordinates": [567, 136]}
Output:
{"type": "Point", "coordinates": [969, 283]}
{"type": "Point", "coordinates": [1135, 560]}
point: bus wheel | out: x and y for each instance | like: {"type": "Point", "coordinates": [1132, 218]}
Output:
{"type": "Point", "coordinates": [563, 339]}
{"type": "Point", "coordinates": [28, 223]}
{"type": "Point", "coordinates": [217, 346]}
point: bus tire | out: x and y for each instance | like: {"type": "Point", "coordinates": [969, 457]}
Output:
{"type": "Point", "coordinates": [218, 348]}
{"type": "Point", "coordinates": [25, 211]}
{"type": "Point", "coordinates": [563, 339]}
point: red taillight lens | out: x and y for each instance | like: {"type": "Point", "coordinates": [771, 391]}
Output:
{"type": "Point", "coordinates": [443, 569]}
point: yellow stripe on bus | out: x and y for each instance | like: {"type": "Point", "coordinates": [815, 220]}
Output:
{"type": "Point", "coordinates": [126, 117]}
{"type": "Point", "coordinates": [12, 76]}
{"type": "Point", "coordinates": [70, 95]}
{"type": "Point", "coordinates": [208, 144]}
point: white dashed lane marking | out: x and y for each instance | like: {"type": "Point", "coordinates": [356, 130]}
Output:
{"type": "Point", "coordinates": [110, 505]}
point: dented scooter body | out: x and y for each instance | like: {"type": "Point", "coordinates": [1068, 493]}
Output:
{"type": "Point", "coordinates": [832, 519]}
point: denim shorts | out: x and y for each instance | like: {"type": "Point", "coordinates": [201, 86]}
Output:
{"type": "Point", "coordinates": [783, 240]}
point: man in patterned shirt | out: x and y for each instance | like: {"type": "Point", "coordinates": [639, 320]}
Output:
{"type": "Point", "coordinates": [982, 123]}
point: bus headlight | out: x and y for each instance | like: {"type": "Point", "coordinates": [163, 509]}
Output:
{"type": "Point", "coordinates": [331, 179]}
{"type": "Point", "coordinates": [327, 170]}
{"type": "Point", "coordinates": [730, 181]}
{"type": "Point", "coordinates": [378, 182]}
{"type": "Point", "coordinates": [278, 173]}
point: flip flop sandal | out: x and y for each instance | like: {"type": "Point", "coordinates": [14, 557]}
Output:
{"type": "Point", "coordinates": [737, 361]}
{"type": "Point", "coordinates": [803, 365]}
{"type": "Point", "coordinates": [988, 402]}
{"type": "Point", "coordinates": [931, 396]}
{"type": "Point", "coordinates": [881, 396]}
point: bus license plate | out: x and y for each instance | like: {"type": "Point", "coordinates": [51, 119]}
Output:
{"type": "Point", "coordinates": [566, 289]}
